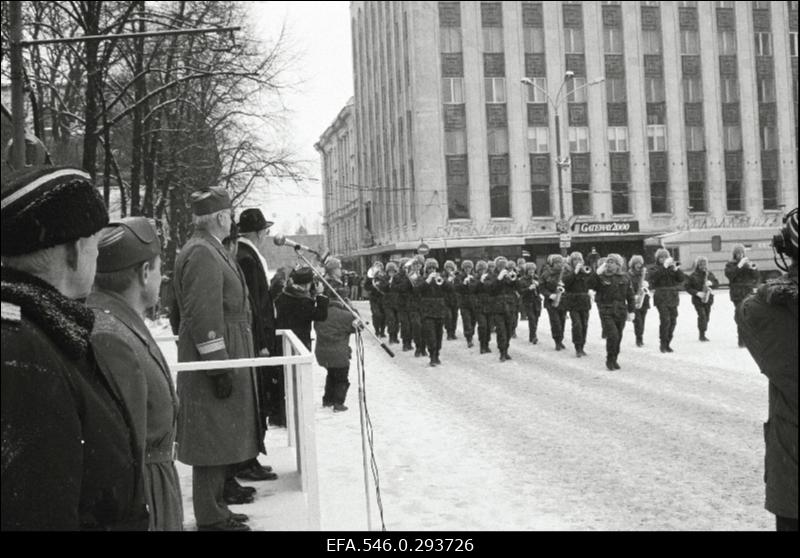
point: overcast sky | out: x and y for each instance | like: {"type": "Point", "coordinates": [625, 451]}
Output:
{"type": "Point", "coordinates": [320, 33]}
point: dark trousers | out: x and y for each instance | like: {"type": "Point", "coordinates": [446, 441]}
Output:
{"type": "Point", "coordinates": [738, 327]}
{"type": "Point", "coordinates": [580, 325]}
{"type": "Point", "coordinates": [668, 317]}
{"type": "Point", "coordinates": [405, 327]}
{"type": "Point", "coordinates": [208, 484]}
{"type": "Point", "coordinates": [703, 316]}
{"type": "Point", "coordinates": [558, 318]}
{"type": "Point", "coordinates": [502, 322]}
{"type": "Point", "coordinates": [785, 523]}
{"type": "Point", "coordinates": [638, 322]}
{"type": "Point", "coordinates": [451, 320]}
{"type": "Point", "coordinates": [416, 330]}
{"type": "Point", "coordinates": [514, 312]}
{"type": "Point", "coordinates": [336, 385]}
{"type": "Point", "coordinates": [484, 335]}
{"type": "Point", "coordinates": [532, 314]}
{"type": "Point", "coordinates": [378, 316]}
{"type": "Point", "coordinates": [468, 322]}
{"type": "Point", "coordinates": [392, 322]}
{"type": "Point", "coordinates": [434, 330]}
{"type": "Point", "coordinates": [613, 326]}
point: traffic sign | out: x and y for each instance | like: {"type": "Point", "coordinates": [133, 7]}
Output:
{"type": "Point", "coordinates": [562, 226]}
{"type": "Point", "coordinates": [564, 240]}
{"type": "Point", "coordinates": [423, 249]}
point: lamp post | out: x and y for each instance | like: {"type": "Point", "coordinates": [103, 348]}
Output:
{"type": "Point", "coordinates": [562, 227]}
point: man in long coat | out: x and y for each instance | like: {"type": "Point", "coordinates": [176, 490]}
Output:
{"type": "Point", "coordinates": [127, 284]}
{"type": "Point", "coordinates": [218, 418]}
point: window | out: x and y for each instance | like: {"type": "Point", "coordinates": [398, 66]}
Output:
{"type": "Point", "coordinates": [697, 197]}
{"type": "Point", "coordinates": [538, 139]}
{"type": "Point", "coordinates": [690, 43]}
{"type": "Point", "coordinates": [536, 92]}
{"type": "Point", "coordinates": [500, 204]}
{"type": "Point", "coordinates": [615, 90]}
{"type": "Point", "coordinates": [455, 142]}
{"type": "Point", "coordinates": [692, 90]}
{"type": "Point", "coordinates": [687, 4]}
{"type": "Point", "coordinates": [732, 138]}
{"type": "Point", "coordinates": [534, 40]}
{"type": "Point", "coordinates": [492, 39]}
{"type": "Point", "coordinates": [453, 91]}
{"type": "Point", "coordinates": [618, 139]}
{"type": "Point", "coordinates": [578, 139]}
{"type": "Point", "coordinates": [497, 141]}
{"type": "Point", "coordinates": [761, 5]}
{"type": "Point", "coordinates": [763, 44]}
{"type": "Point", "coordinates": [793, 43]}
{"type": "Point", "coordinates": [769, 191]}
{"type": "Point", "coordinates": [766, 90]}
{"type": "Point", "coordinates": [612, 40]}
{"type": "Point", "coordinates": [495, 89]}
{"type": "Point", "coordinates": [656, 137]}
{"type": "Point", "coordinates": [450, 39]}
{"type": "Point", "coordinates": [769, 138]}
{"type": "Point", "coordinates": [651, 42]}
{"type": "Point", "coordinates": [724, 4]}
{"type": "Point", "coordinates": [658, 197]}
{"type": "Point", "coordinates": [581, 199]}
{"type": "Point", "coordinates": [727, 42]}
{"type": "Point", "coordinates": [540, 200]}
{"type": "Point", "coordinates": [733, 195]}
{"type": "Point", "coordinates": [573, 41]}
{"type": "Point", "coordinates": [620, 198]}
{"type": "Point", "coordinates": [695, 138]}
{"type": "Point", "coordinates": [654, 90]}
{"type": "Point", "coordinates": [576, 90]}
{"type": "Point", "coordinates": [730, 90]}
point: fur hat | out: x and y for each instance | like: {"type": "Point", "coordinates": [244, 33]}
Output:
{"type": "Point", "coordinates": [302, 275]}
{"type": "Point", "coordinates": [431, 263]}
{"type": "Point", "coordinates": [378, 264]}
{"type": "Point", "coordinates": [450, 265]}
{"type": "Point", "coordinates": [481, 265]}
{"type": "Point", "coordinates": [699, 259]}
{"type": "Point", "coordinates": [574, 257]}
{"type": "Point", "coordinates": [617, 259]}
{"type": "Point", "coordinates": [48, 206]}
{"type": "Point", "coordinates": [738, 250]}
{"type": "Point", "coordinates": [636, 260]}
{"type": "Point", "coordinates": [555, 259]}
{"type": "Point", "coordinates": [662, 253]}
{"type": "Point", "coordinates": [467, 264]}
{"type": "Point", "coordinates": [530, 266]}
{"type": "Point", "coordinates": [501, 262]}
{"type": "Point", "coordinates": [391, 266]}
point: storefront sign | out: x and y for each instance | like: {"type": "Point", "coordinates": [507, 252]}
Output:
{"type": "Point", "coordinates": [606, 227]}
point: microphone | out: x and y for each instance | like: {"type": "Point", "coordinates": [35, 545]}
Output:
{"type": "Point", "coordinates": [281, 240]}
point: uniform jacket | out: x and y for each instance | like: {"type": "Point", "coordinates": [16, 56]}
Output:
{"type": "Point", "coordinates": [70, 458]}
{"type": "Point", "coordinates": [768, 320]}
{"type": "Point", "coordinates": [695, 283]}
{"type": "Point", "coordinates": [667, 284]}
{"type": "Point", "coordinates": [614, 294]}
{"type": "Point", "coordinates": [502, 293]}
{"type": "Point", "coordinates": [215, 325]}
{"type": "Point", "coordinates": [128, 354]}
{"type": "Point", "coordinates": [296, 310]}
{"type": "Point", "coordinates": [391, 297]}
{"type": "Point", "coordinates": [548, 285]}
{"type": "Point", "coordinates": [402, 286]}
{"type": "Point", "coordinates": [466, 293]}
{"type": "Point", "coordinates": [451, 296]}
{"type": "Point", "coordinates": [376, 287]}
{"type": "Point", "coordinates": [636, 283]}
{"type": "Point", "coordinates": [333, 337]}
{"type": "Point", "coordinates": [260, 297]}
{"type": "Point", "coordinates": [576, 295]}
{"type": "Point", "coordinates": [529, 296]}
{"type": "Point", "coordinates": [743, 280]}
{"type": "Point", "coordinates": [432, 299]}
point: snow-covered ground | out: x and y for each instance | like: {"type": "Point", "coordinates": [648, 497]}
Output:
{"type": "Point", "coordinates": [545, 441]}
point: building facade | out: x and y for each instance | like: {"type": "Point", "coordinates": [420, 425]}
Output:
{"type": "Point", "coordinates": [672, 116]}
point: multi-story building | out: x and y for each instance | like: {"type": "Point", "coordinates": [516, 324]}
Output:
{"type": "Point", "coordinates": [672, 116]}
{"type": "Point", "coordinates": [340, 190]}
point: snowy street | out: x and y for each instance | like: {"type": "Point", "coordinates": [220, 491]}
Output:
{"type": "Point", "coordinates": [548, 441]}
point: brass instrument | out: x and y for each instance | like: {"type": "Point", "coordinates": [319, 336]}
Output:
{"type": "Point", "coordinates": [468, 279]}
{"type": "Point", "coordinates": [644, 290]}
{"type": "Point", "coordinates": [670, 262]}
{"type": "Point", "coordinates": [374, 272]}
{"type": "Point", "coordinates": [437, 278]}
{"type": "Point", "coordinates": [559, 288]}
{"type": "Point", "coordinates": [705, 295]}
{"type": "Point", "coordinates": [585, 269]}
{"type": "Point", "coordinates": [512, 275]}
{"type": "Point", "coordinates": [534, 285]}
{"type": "Point", "coordinates": [484, 277]}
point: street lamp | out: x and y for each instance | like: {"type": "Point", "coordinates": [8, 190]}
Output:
{"type": "Point", "coordinates": [562, 226]}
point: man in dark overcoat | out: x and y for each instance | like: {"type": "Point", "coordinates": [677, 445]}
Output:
{"type": "Point", "coordinates": [218, 417]}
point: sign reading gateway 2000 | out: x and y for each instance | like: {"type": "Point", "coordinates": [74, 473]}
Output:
{"type": "Point", "coordinates": [606, 227]}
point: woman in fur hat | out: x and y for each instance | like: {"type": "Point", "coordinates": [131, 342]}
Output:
{"type": "Point", "coordinates": [637, 273]}
{"type": "Point", "coordinates": [528, 287]}
{"type": "Point", "coordinates": [451, 300]}
{"type": "Point", "coordinates": [700, 284]}
{"type": "Point", "coordinates": [433, 308]}
{"type": "Point", "coordinates": [615, 303]}
{"type": "Point", "coordinates": [576, 299]}
{"type": "Point", "coordinates": [550, 280]}
{"type": "Point", "coordinates": [667, 280]}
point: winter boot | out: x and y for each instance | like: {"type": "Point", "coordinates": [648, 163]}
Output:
{"type": "Point", "coordinates": [339, 408]}
{"type": "Point", "coordinates": [470, 344]}
{"type": "Point", "coordinates": [663, 347]}
{"type": "Point", "coordinates": [668, 348]}
{"type": "Point", "coordinates": [508, 356]}
{"type": "Point", "coordinates": [615, 363]}
{"type": "Point", "coordinates": [609, 363]}
{"type": "Point", "coordinates": [639, 341]}
{"type": "Point", "coordinates": [703, 336]}
{"type": "Point", "coordinates": [407, 347]}
{"type": "Point", "coordinates": [502, 356]}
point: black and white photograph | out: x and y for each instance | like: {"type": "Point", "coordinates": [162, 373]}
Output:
{"type": "Point", "coordinates": [399, 275]}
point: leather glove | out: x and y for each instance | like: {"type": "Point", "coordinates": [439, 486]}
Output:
{"type": "Point", "coordinates": [223, 385]}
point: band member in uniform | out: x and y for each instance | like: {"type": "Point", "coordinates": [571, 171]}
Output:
{"type": "Point", "coordinates": [375, 286]}
{"type": "Point", "coordinates": [614, 297]}
{"type": "Point", "coordinates": [700, 284]}
{"type": "Point", "coordinates": [451, 300]}
{"type": "Point", "coordinates": [481, 306]}
{"type": "Point", "coordinates": [391, 301]}
{"type": "Point", "coordinates": [743, 277]}
{"type": "Point", "coordinates": [513, 302]}
{"type": "Point", "coordinates": [218, 415]}
{"type": "Point", "coordinates": [576, 299]}
{"type": "Point", "coordinates": [70, 455]}
{"type": "Point", "coordinates": [528, 287]}
{"type": "Point", "coordinates": [433, 309]}
{"type": "Point", "coordinates": [637, 273]}
{"type": "Point", "coordinates": [667, 280]}
{"type": "Point", "coordinates": [521, 263]}
{"type": "Point", "coordinates": [466, 285]}
{"type": "Point", "coordinates": [416, 278]}
{"type": "Point", "coordinates": [127, 284]}
{"type": "Point", "coordinates": [768, 321]}
{"type": "Point", "coordinates": [402, 286]}
{"type": "Point", "coordinates": [551, 285]}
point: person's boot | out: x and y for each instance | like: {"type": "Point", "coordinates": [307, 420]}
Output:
{"type": "Point", "coordinates": [470, 344]}
{"type": "Point", "coordinates": [339, 408]}
{"type": "Point", "coordinates": [639, 341]}
{"type": "Point", "coordinates": [233, 494]}
{"type": "Point", "coordinates": [502, 356]}
{"type": "Point", "coordinates": [578, 351]}
{"type": "Point", "coordinates": [615, 363]}
{"type": "Point", "coordinates": [609, 363]}
{"type": "Point", "coordinates": [703, 336]}
{"type": "Point", "coordinates": [558, 345]}
{"type": "Point", "coordinates": [513, 335]}
{"type": "Point", "coordinates": [438, 361]}
{"type": "Point", "coordinates": [668, 348]}
{"type": "Point", "coordinates": [663, 347]}
{"type": "Point", "coordinates": [229, 524]}
{"type": "Point", "coordinates": [508, 356]}
{"type": "Point", "coordinates": [407, 347]}
{"type": "Point", "coordinates": [741, 343]}
{"type": "Point", "coordinates": [534, 340]}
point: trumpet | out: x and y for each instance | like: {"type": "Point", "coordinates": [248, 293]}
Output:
{"type": "Point", "coordinates": [534, 285]}
{"type": "Point", "coordinates": [437, 278]}
{"type": "Point", "coordinates": [484, 277]}
{"type": "Point", "coordinates": [585, 269]}
{"type": "Point", "coordinates": [373, 272]}
{"type": "Point", "coordinates": [670, 262]}
{"type": "Point", "coordinates": [468, 279]}
{"type": "Point", "coordinates": [512, 275]}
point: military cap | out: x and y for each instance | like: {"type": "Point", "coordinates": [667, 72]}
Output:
{"type": "Point", "coordinates": [48, 206]}
{"type": "Point", "coordinates": [210, 200]}
{"type": "Point", "coordinates": [252, 220]}
{"type": "Point", "coordinates": [302, 275]}
{"type": "Point", "coordinates": [126, 243]}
